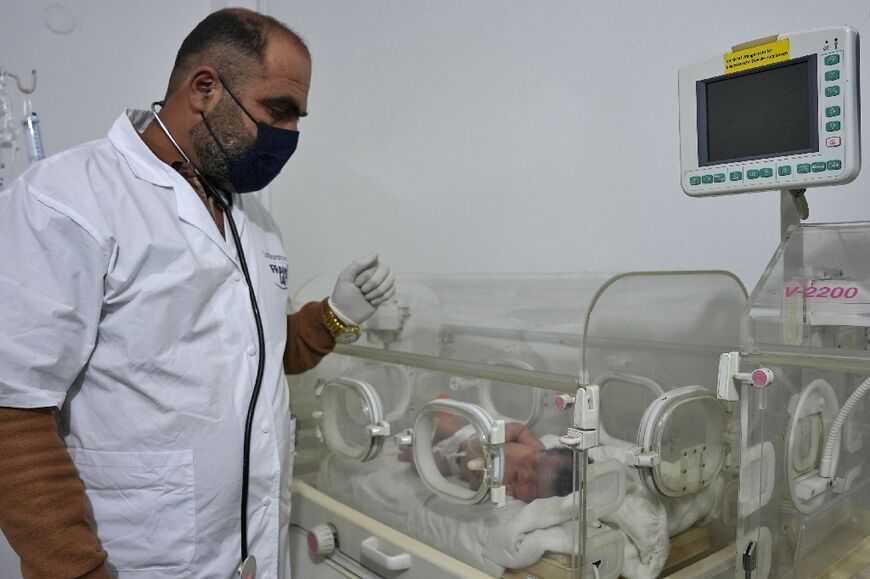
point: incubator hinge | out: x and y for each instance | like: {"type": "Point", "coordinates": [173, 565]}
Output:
{"type": "Point", "coordinates": [730, 376]}
{"type": "Point", "coordinates": [580, 439]}
{"type": "Point", "coordinates": [405, 438]}
{"type": "Point", "coordinates": [584, 433]}
{"type": "Point", "coordinates": [639, 458]}
{"type": "Point", "coordinates": [497, 490]}
{"type": "Point", "coordinates": [382, 428]}
{"type": "Point", "coordinates": [750, 559]}
{"type": "Point", "coordinates": [318, 416]}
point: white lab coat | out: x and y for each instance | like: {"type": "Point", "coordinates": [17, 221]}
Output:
{"type": "Point", "coordinates": [121, 303]}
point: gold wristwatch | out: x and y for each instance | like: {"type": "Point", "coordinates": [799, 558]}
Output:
{"type": "Point", "coordinates": [341, 332]}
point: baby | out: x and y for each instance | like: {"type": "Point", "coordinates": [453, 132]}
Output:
{"type": "Point", "coordinates": [530, 470]}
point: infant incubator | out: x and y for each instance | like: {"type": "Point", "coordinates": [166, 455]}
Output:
{"type": "Point", "coordinates": [635, 472]}
{"type": "Point", "coordinates": [709, 434]}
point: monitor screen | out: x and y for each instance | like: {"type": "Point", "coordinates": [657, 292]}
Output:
{"type": "Point", "coordinates": [765, 112]}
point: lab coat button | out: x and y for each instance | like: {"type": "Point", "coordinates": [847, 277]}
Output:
{"type": "Point", "coordinates": [236, 276]}
{"type": "Point", "coordinates": [266, 427]}
{"type": "Point", "coordinates": [267, 501]}
{"type": "Point", "coordinates": [251, 350]}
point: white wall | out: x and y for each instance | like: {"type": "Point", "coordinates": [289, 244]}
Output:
{"type": "Point", "coordinates": [119, 55]}
{"type": "Point", "coordinates": [461, 136]}
{"type": "Point", "coordinates": [521, 136]}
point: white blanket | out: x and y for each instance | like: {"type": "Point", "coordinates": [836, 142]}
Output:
{"type": "Point", "coordinates": [514, 536]}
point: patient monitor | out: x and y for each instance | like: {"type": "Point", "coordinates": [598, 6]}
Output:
{"type": "Point", "coordinates": [780, 112]}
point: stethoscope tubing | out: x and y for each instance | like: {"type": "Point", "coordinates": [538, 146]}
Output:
{"type": "Point", "coordinates": [226, 207]}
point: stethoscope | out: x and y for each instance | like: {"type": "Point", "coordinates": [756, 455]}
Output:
{"type": "Point", "coordinates": [248, 568]}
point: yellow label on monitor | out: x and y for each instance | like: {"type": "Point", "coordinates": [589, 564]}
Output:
{"type": "Point", "coordinates": [756, 56]}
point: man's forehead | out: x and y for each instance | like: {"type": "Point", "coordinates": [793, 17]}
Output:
{"type": "Point", "coordinates": [285, 58]}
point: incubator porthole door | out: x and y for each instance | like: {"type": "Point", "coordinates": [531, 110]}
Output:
{"type": "Point", "coordinates": [812, 415]}
{"type": "Point", "coordinates": [510, 401]}
{"type": "Point", "coordinates": [685, 428]}
{"type": "Point", "coordinates": [459, 451]}
{"type": "Point", "coordinates": [392, 382]}
{"type": "Point", "coordinates": [351, 418]}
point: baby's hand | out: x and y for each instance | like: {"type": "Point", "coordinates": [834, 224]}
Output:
{"type": "Point", "coordinates": [475, 479]}
{"type": "Point", "coordinates": [406, 453]}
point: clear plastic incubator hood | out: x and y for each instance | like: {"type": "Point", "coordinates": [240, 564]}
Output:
{"type": "Point", "coordinates": [805, 460]}
{"type": "Point", "coordinates": [523, 426]}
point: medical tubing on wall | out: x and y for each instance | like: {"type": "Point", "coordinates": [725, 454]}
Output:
{"type": "Point", "coordinates": [828, 465]}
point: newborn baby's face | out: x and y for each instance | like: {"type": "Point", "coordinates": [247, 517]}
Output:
{"type": "Point", "coordinates": [524, 472]}
{"type": "Point", "coordinates": [531, 473]}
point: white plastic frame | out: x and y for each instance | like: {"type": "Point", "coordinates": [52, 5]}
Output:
{"type": "Point", "coordinates": [841, 40]}
{"type": "Point", "coordinates": [377, 428]}
{"type": "Point", "coordinates": [491, 434]}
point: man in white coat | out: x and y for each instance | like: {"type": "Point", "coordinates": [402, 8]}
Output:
{"type": "Point", "coordinates": [136, 383]}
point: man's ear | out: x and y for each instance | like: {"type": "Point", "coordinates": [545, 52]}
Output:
{"type": "Point", "coordinates": [204, 89]}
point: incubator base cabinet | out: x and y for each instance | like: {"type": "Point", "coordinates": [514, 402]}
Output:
{"type": "Point", "coordinates": [635, 425]}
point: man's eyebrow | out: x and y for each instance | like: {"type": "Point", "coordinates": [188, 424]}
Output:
{"type": "Point", "coordinates": [285, 104]}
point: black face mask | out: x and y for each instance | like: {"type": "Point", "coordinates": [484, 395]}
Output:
{"type": "Point", "coordinates": [257, 168]}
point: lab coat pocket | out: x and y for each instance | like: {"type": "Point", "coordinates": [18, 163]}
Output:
{"type": "Point", "coordinates": [143, 505]}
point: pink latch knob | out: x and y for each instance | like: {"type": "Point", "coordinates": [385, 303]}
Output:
{"type": "Point", "coordinates": [322, 540]}
{"type": "Point", "coordinates": [761, 377]}
{"type": "Point", "coordinates": [564, 401]}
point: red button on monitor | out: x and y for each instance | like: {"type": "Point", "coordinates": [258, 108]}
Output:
{"type": "Point", "coordinates": [832, 142]}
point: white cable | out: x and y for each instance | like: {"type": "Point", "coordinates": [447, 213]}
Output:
{"type": "Point", "coordinates": [828, 466]}
{"type": "Point", "coordinates": [595, 571]}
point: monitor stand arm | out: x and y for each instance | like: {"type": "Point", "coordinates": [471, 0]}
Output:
{"type": "Point", "coordinates": [793, 209]}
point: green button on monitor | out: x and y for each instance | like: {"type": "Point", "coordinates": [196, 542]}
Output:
{"type": "Point", "coordinates": [707, 179]}
{"type": "Point", "coordinates": [752, 174]}
{"type": "Point", "coordinates": [736, 175]}
{"type": "Point", "coordinates": [832, 59]}
{"type": "Point", "coordinates": [832, 112]}
{"type": "Point", "coordinates": [834, 165]}
{"type": "Point", "coordinates": [832, 75]}
{"type": "Point", "coordinates": [719, 178]}
{"type": "Point", "coordinates": [766, 172]}
{"type": "Point", "coordinates": [832, 91]}
{"type": "Point", "coordinates": [784, 170]}
{"type": "Point", "coordinates": [819, 167]}
{"type": "Point", "coordinates": [803, 168]}
{"type": "Point", "coordinates": [832, 126]}
{"type": "Point", "coordinates": [694, 180]}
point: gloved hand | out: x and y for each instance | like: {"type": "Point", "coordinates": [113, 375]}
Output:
{"type": "Point", "coordinates": [363, 285]}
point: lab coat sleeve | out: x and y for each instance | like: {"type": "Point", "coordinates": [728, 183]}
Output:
{"type": "Point", "coordinates": [308, 339]}
{"type": "Point", "coordinates": [52, 268]}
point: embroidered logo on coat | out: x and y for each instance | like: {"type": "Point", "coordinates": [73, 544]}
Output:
{"type": "Point", "coordinates": [278, 268]}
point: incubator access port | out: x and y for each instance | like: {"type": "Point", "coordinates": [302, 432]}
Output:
{"type": "Point", "coordinates": [812, 415]}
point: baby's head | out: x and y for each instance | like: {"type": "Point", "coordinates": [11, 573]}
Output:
{"type": "Point", "coordinates": [539, 474]}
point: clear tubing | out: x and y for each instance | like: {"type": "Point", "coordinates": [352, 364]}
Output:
{"type": "Point", "coordinates": [829, 463]}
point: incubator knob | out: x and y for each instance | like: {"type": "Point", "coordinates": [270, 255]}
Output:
{"type": "Point", "coordinates": [322, 540]}
{"type": "Point", "coordinates": [564, 401]}
{"type": "Point", "coordinates": [761, 377]}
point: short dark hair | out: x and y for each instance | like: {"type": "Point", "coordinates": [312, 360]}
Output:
{"type": "Point", "coordinates": [563, 480]}
{"type": "Point", "coordinates": [231, 40]}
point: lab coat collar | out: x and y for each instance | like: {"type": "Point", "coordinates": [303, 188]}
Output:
{"type": "Point", "coordinates": [144, 164]}
{"type": "Point", "coordinates": [124, 136]}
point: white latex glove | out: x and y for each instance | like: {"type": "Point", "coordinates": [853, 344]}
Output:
{"type": "Point", "coordinates": [363, 285]}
